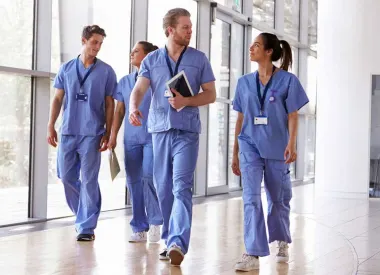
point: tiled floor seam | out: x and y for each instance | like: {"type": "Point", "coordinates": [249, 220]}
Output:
{"type": "Point", "coordinates": [353, 250]}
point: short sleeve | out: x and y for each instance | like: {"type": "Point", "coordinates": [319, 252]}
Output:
{"type": "Point", "coordinates": [59, 79]}
{"type": "Point", "coordinates": [111, 83]}
{"type": "Point", "coordinates": [297, 97]}
{"type": "Point", "coordinates": [236, 103]}
{"type": "Point", "coordinates": [145, 67]}
{"type": "Point", "coordinates": [207, 75]}
{"type": "Point", "coordinates": [118, 93]}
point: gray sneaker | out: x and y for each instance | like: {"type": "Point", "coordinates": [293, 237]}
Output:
{"type": "Point", "coordinates": [283, 253]}
{"type": "Point", "coordinates": [247, 263]}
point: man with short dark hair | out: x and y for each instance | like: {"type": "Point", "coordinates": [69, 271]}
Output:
{"type": "Point", "coordinates": [85, 84]}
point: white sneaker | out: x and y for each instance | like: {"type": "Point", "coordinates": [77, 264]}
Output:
{"type": "Point", "coordinates": [137, 237]}
{"type": "Point", "coordinates": [154, 234]}
{"type": "Point", "coordinates": [247, 263]}
{"type": "Point", "coordinates": [176, 255]}
{"type": "Point", "coordinates": [164, 255]}
{"type": "Point", "coordinates": [283, 253]}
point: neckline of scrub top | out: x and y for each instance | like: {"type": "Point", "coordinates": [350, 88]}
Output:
{"type": "Point", "coordinates": [258, 82]}
{"type": "Point", "coordinates": [91, 68]}
{"type": "Point", "coordinates": [167, 57]}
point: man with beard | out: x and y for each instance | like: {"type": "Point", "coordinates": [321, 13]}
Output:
{"type": "Point", "coordinates": [175, 134]}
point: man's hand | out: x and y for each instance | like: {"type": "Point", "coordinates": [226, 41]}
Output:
{"type": "Point", "coordinates": [178, 101]}
{"type": "Point", "coordinates": [134, 118]}
{"type": "Point", "coordinates": [104, 143]}
{"type": "Point", "coordinates": [112, 142]}
{"type": "Point", "coordinates": [52, 137]}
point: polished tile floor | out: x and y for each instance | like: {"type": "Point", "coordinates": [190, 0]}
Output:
{"type": "Point", "coordinates": [330, 236]}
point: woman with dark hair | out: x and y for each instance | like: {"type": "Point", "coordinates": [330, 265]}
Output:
{"type": "Point", "coordinates": [138, 155]}
{"type": "Point", "coordinates": [267, 102]}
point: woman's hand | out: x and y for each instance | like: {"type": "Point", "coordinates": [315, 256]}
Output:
{"type": "Point", "coordinates": [290, 154]}
{"type": "Point", "coordinates": [235, 165]}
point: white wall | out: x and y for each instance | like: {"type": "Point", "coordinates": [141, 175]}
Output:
{"type": "Point", "coordinates": [348, 47]}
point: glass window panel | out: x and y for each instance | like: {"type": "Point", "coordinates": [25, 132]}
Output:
{"type": "Point", "coordinates": [14, 147]}
{"type": "Point", "coordinates": [310, 148]}
{"type": "Point", "coordinates": [70, 16]}
{"type": "Point", "coordinates": [292, 18]}
{"type": "Point", "coordinates": [263, 12]}
{"type": "Point", "coordinates": [236, 5]}
{"type": "Point", "coordinates": [220, 57]}
{"type": "Point", "coordinates": [294, 68]}
{"type": "Point", "coordinates": [217, 145]}
{"type": "Point", "coordinates": [313, 24]}
{"type": "Point", "coordinates": [311, 88]}
{"type": "Point", "coordinates": [16, 32]}
{"type": "Point", "coordinates": [157, 11]}
{"type": "Point", "coordinates": [237, 64]}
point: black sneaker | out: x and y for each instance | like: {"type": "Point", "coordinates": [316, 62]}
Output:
{"type": "Point", "coordinates": [164, 255]}
{"type": "Point", "coordinates": [85, 237]}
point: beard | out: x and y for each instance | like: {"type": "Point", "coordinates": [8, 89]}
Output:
{"type": "Point", "coordinates": [181, 41]}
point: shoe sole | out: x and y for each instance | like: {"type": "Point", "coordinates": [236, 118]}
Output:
{"type": "Point", "coordinates": [176, 257]}
{"type": "Point", "coordinates": [137, 241]}
{"type": "Point", "coordinates": [164, 258]}
{"type": "Point", "coordinates": [154, 240]}
{"type": "Point", "coordinates": [247, 269]}
{"type": "Point", "coordinates": [85, 240]}
{"type": "Point", "coordinates": [282, 259]}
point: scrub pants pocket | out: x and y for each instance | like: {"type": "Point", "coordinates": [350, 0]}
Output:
{"type": "Point", "coordinates": [279, 193]}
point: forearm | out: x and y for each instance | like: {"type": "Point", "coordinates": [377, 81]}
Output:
{"type": "Point", "coordinates": [138, 93]}
{"type": "Point", "coordinates": [137, 96]}
{"type": "Point", "coordinates": [54, 112]}
{"type": "Point", "coordinates": [293, 127]}
{"type": "Point", "coordinates": [118, 118]}
{"type": "Point", "coordinates": [239, 123]}
{"type": "Point", "coordinates": [110, 107]}
{"type": "Point", "coordinates": [201, 99]}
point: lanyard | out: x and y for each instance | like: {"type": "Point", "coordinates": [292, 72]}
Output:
{"type": "Point", "coordinates": [82, 81]}
{"type": "Point", "coordinates": [262, 98]}
{"type": "Point", "coordinates": [176, 65]}
{"type": "Point", "coordinates": [136, 74]}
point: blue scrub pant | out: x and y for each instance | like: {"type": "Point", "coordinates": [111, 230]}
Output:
{"type": "Point", "coordinates": [138, 159]}
{"type": "Point", "coordinates": [80, 156]}
{"type": "Point", "coordinates": [279, 193]}
{"type": "Point", "coordinates": [175, 158]}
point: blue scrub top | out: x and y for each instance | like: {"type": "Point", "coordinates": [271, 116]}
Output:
{"type": "Point", "coordinates": [85, 118]}
{"type": "Point", "coordinates": [133, 134]}
{"type": "Point", "coordinates": [162, 117]}
{"type": "Point", "coordinates": [289, 96]}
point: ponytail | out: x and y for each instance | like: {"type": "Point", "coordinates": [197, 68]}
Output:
{"type": "Point", "coordinates": [286, 56]}
{"type": "Point", "coordinates": [281, 50]}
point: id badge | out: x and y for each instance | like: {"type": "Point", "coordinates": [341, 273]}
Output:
{"type": "Point", "coordinates": [81, 97]}
{"type": "Point", "coordinates": [261, 120]}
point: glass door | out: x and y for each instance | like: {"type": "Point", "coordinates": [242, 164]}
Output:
{"type": "Point", "coordinates": [227, 40]}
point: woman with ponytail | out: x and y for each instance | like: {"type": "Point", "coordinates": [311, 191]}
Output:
{"type": "Point", "coordinates": [267, 102]}
{"type": "Point", "coordinates": [138, 154]}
